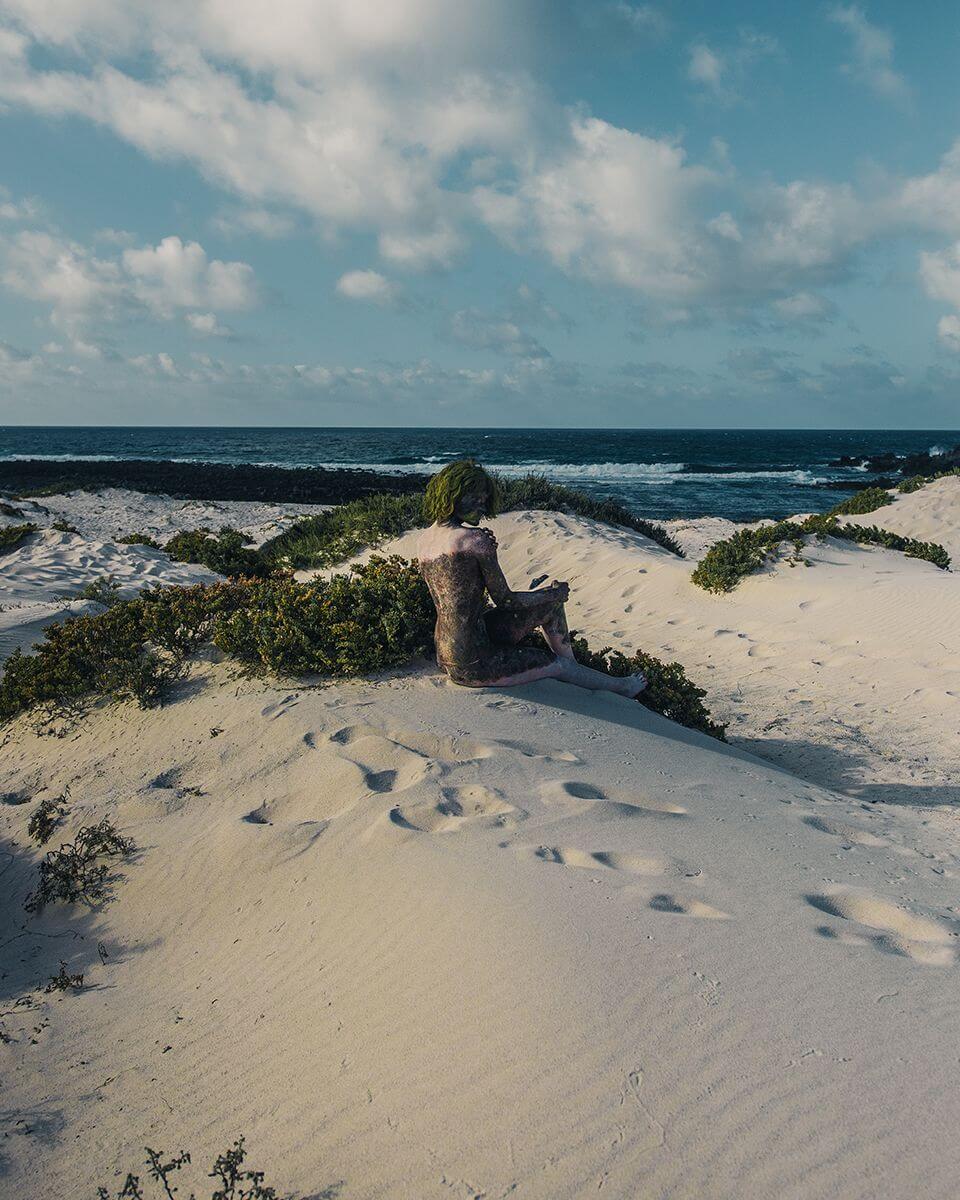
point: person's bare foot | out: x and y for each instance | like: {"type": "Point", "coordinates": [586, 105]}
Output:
{"type": "Point", "coordinates": [633, 685]}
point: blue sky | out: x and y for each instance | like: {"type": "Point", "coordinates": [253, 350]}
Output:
{"type": "Point", "coordinates": [507, 212]}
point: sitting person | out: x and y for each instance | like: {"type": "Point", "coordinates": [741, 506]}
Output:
{"type": "Point", "coordinates": [477, 645]}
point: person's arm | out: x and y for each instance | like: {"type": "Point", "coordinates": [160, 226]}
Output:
{"type": "Point", "coordinates": [485, 547]}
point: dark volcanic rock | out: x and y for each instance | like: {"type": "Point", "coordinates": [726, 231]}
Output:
{"type": "Point", "coordinates": [902, 465]}
{"type": "Point", "coordinates": [206, 481]}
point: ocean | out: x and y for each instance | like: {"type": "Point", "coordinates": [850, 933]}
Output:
{"type": "Point", "coordinates": [742, 474]}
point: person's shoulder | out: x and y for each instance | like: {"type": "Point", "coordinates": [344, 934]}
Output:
{"type": "Point", "coordinates": [477, 540]}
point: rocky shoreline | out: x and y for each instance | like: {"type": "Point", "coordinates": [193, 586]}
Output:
{"type": "Point", "coordinates": [205, 480]}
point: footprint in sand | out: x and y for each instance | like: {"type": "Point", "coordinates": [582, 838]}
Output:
{"type": "Point", "coordinates": [536, 752]}
{"type": "Point", "coordinates": [387, 764]}
{"type": "Point", "coordinates": [901, 932]}
{"type": "Point", "coordinates": [279, 707]}
{"type": "Point", "coordinates": [473, 804]}
{"type": "Point", "coordinates": [578, 798]}
{"type": "Point", "coordinates": [590, 860]}
{"type": "Point", "coordinates": [848, 833]}
{"type": "Point", "coordinates": [447, 748]}
{"type": "Point", "coordinates": [667, 903]}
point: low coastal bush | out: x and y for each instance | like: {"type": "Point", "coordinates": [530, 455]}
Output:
{"type": "Point", "coordinates": [224, 553]}
{"type": "Point", "coordinates": [378, 616]}
{"type": "Point", "coordinates": [916, 482]}
{"type": "Point", "coordinates": [79, 870]}
{"type": "Point", "coordinates": [139, 539]}
{"type": "Point", "coordinates": [868, 500]}
{"type": "Point", "coordinates": [47, 817]}
{"type": "Point", "coordinates": [332, 537]}
{"type": "Point", "coordinates": [233, 1182]}
{"type": "Point", "coordinates": [747, 551]}
{"type": "Point", "coordinates": [669, 691]}
{"type": "Point", "coordinates": [537, 492]}
{"type": "Point", "coordinates": [12, 535]}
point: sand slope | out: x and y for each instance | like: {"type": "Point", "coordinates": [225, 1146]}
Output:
{"type": "Point", "coordinates": [931, 514]}
{"type": "Point", "coordinates": [424, 941]}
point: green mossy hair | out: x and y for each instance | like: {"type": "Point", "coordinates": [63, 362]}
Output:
{"type": "Point", "coordinates": [448, 485]}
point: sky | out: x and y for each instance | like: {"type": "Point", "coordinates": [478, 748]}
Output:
{"type": "Point", "coordinates": [480, 213]}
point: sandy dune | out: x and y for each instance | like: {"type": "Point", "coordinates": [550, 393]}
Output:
{"type": "Point", "coordinates": [931, 514]}
{"type": "Point", "coordinates": [423, 941]}
{"type": "Point", "coordinates": [416, 941]}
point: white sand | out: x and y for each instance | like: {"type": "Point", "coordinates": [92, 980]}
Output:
{"type": "Point", "coordinates": [39, 577]}
{"type": "Point", "coordinates": [931, 514]}
{"type": "Point", "coordinates": [422, 941]}
{"type": "Point", "coordinates": [114, 512]}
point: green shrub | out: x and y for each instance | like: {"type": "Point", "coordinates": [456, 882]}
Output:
{"type": "Point", "coordinates": [104, 590]}
{"type": "Point", "coordinates": [139, 539]}
{"type": "Point", "coordinates": [63, 526]}
{"type": "Point", "coordinates": [332, 537]}
{"type": "Point", "coordinates": [538, 493]}
{"type": "Point", "coordinates": [47, 817]}
{"type": "Point", "coordinates": [728, 561]}
{"type": "Point", "coordinates": [224, 553]}
{"type": "Point", "coordinates": [233, 1181]}
{"type": "Point", "coordinates": [378, 616]}
{"type": "Point", "coordinates": [12, 535]}
{"type": "Point", "coordinates": [916, 482]}
{"type": "Point", "coordinates": [870, 535]}
{"type": "Point", "coordinates": [668, 692]}
{"type": "Point", "coordinates": [77, 871]}
{"type": "Point", "coordinates": [868, 500]}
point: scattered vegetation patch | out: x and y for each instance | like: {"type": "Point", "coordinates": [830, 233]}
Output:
{"type": "Point", "coordinates": [332, 537]}
{"type": "Point", "coordinates": [10, 510]}
{"type": "Point", "coordinates": [139, 539]}
{"type": "Point", "coordinates": [80, 870]}
{"type": "Point", "coordinates": [868, 500]}
{"type": "Point", "coordinates": [64, 526]}
{"type": "Point", "coordinates": [668, 692]}
{"type": "Point", "coordinates": [916, 482]}
{"type": "Point", "coordinates": [63, 981]}
{"type": "Point", "coordinates": [379, 616]}
{"type": "Point", "coordinates": [47, 817]}
{"type": "Point", "coordinates": [376, 617]}
{"type": "Point", "coordinates": [225, 553]}
{"type": "Point", "coordinates": [747, 551]}
{"type": "Point", "coordinates": [105, 591]}
{"type": "Point", "coordinates": [12, 535]}
{"type": "Point", "coordinates": [232, 1181]}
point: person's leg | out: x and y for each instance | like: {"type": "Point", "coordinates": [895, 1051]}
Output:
{"type": "Point", "coordinates": [568, 670]}
{"type": "Point", "coordinates": [507, 627]}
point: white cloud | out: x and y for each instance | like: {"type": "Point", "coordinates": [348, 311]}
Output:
{"type": "Point", "coordinates": [948, 331]}
{"type": "Point", "coordinates": [416, 251]}
{"type": "Point", "coordinates": [259, 221]}
{"type": "Point", "coordinates": [178, 274]}
{"type": "Point", "coordinates": [207, 325]}
{"type": "Point", "coordinates": [78, 285]}
{"type": "Point", "coordinates": [368, 285]}
{"type": "Point", "coordinates": [722, 73]}
{"type": "Point", "coordinates": [705, 67]}
{"type": "Point", "coordinates": [872, 53]}
{"type": "Point", "coordinates": [804, 308]}
{"type": "Point", "coordinates": [615, 205]}
{"type": "Point", "coordinates": [491, 331]}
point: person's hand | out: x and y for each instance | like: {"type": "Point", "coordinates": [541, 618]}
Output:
{"type": "Point", "coordinates": [561, 590]}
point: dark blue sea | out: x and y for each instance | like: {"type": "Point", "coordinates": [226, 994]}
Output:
{"type": "Point", "coordinates": [659, 473]}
